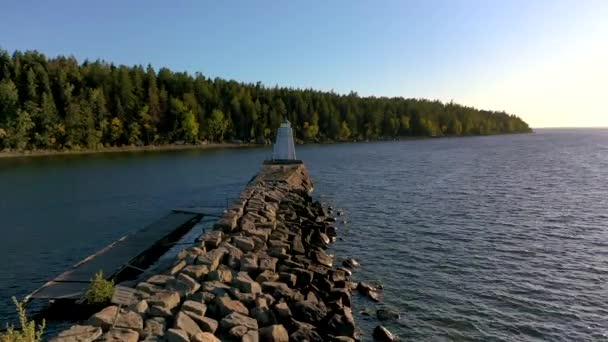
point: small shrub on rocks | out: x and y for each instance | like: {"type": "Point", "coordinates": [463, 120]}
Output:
{"type": "Point", "coordinates": [30, 331]}
{"type": "Point", "coordinates": [100, 291]}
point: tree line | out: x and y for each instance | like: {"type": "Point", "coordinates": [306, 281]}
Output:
{"type": "Point", "coordinates": [59, 103]}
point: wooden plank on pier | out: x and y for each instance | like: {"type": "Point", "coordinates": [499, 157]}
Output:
{"type": "Point", "coordinates": [112, 258]}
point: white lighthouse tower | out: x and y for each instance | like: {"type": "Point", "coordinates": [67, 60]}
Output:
{"type": "Point", "coordinates": [284, 150]}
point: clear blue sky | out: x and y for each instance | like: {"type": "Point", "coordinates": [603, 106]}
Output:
{"type": "Point", "coordinates": [545, 60]}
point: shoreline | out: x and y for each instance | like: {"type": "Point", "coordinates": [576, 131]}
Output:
{"type": "Point", "coordinates": [147, 148]}
{"type": "Point", "coordinates": [174, 147]}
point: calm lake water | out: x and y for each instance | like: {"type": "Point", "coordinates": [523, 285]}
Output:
{"type": "Point", "coordinates": [500, 238]}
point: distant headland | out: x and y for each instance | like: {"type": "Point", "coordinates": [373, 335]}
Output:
{"type": "Point", "coordinates": [60, 104]}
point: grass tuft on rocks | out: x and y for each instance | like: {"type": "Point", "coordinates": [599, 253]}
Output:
{"type": "Point", "coordinates": [30, 331]}
{"type": "Point", "coordinates": [100, 291]}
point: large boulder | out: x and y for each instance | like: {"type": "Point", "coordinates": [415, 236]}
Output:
{"type": "Point", "coordinates": [78, 333]}
{"type": "Point", "coordinates": [263, 315]}
{"type": "Point", "coordinates": [249, 264]}
{"type": "Point", "coordinates": [322, 258]}
{"type": "Point", "coordinates": [266, 276]}
{"type": "Point", "coordinates": [159, 311]}
{"type": "Point", "coordinates": [205, 323]}
{"type": "Point", "coordinates": [185, 285]}
{"type": "Point", "coordinates": [305, 335]}
{"type": "Point", "coordinates": [160, 279]}
{"type": "Point", "coordinates": [197, 272]}
{"type": "Point", "coordinates": [165, 299]}
{"type": "Point", "coordinates": [245, 284]}
{"type": "Point", "coordinates": [274, 333]}
{"type": "Point", "coordinates": [387, 314]}
{"type": "Point", "coordinates": [223, 276]}
{"type": "Point", "coordinates": [243, 243]}
{"type": "Point", "coordinates": [205, 337]}
{"type": "Point", "coordinates": [120, 335]}
{"type": "Point", "coordinates": [154, 327]}
{"type": "Point", "coordinates": [197, 308]}
{"type": "Point", "coordinates": [176, 335]}
{"type": "Point", "coordinates": [215, 287]}
{"type": "Point", "coordinates": [268, 263]}
{"type": "Point", "coordinates": [235, 319]}
{"type": "Point", "coordinates": [125, 319]}
{"type": "Point", "coordinates": [342, 324]}
{"type": "Point", "coordinates": [382, 334]}
{"type": "Point", "coordinates": [186, 324]}
{"type": "Point", "coordinates": [310, 311]}
{"type": "Point", "coordinates": [223, 306]}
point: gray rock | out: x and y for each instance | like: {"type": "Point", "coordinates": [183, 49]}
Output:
{"type": "Point", "coordinates": [297, 247]}
{"type": "Point", "coordinates": [387, 314]}
{"type": "Point", "coordinates": [205, 337]}
{"type": "Point", "coordinates": [177, 267]}
{"type": "Point", "coordinates": [159, 311]}
{"type": "Point", "coordinates": [251, 336]}
{"type": "Point", "coordinates": [141, 307]}
{"type": "Point", "coordinates": [197, 272]}
{"type": "Point", "coordinates": [249, 264]}
{"type": "Point", "coordinates": [235, 318]}
{"type": "Point", "coordinates": [282, 312]}
{"type": "Point", "coordinates": [342, 324]}
{"type": "Point", "coordinates": [120, 335]}
{"type": "Point", "coordinates": [305, 335]}
{"type": "Point", "coordinates": [322, 258]}
{"type": "Point", "coordinates": [304, 276]}
{"type": "Point", "coordinates": [341, 294]}
{"type": "Point", "coordinates": [176, 335]}
{"type": "Point", "coordinates": [266, 276]}
{"type": "Point", "coordinates": [205, 323]}
{"type": "Point", "coordinates": [288, 278]}
{"type": "Point", "coordinates": [186, 324]}
{"type": "Point", "coordinates": [212, 239]}
{"type": "Point", "coordinates": [382, 334]}
{"type": "Point", "coordinates": [78, 333]}
{"type": "Point", "coordinates": [127, 319]}
{"type": "Point", "coordinates": [238, 332]}
{"type": "Point", "coordinates": [185, 285]}
{"type": "Point", "coordinates": [223, 276]}
{"type": "Point", "coordinates": [351, 263]}
{"type": "Point", "coordinates": [148, 288]}
{"type": "Point", "coordinates": [160, 279]}
{"type": "Point", "coordinates": [245, 284]}
{"type": "Point", "coordinates": [215, 287]}
{"type": "Point", "coordinates": [309, 311]}
{"type": "Point", "coordinates": [155, 327]}
{"type": "Point", "coordinates": [243, 243]}
{"type": "Point", "coordinates": [165, 299]}
{"type": "Point", "coordinates": [197, 308]}
{"type": "Point", "coordinates": [268, 263]}
{"type": "Point", "coordinates": [263, 315]}
{"type": "Point", "coordinates": [274, 333]}
{"type": "Point", "coordinates": [202, 297]}
{"type": "Point", "coordinates": [223, 306]}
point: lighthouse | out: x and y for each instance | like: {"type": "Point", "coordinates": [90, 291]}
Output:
{"type": "Point", "coordinates": [284, 150]}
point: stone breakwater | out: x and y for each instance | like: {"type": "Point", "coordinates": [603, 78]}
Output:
{"type": "Point", "coordinates": [262, 274]}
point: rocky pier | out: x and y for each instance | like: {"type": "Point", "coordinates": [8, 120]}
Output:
{"type": "Point", "coordinates": [262, 274]}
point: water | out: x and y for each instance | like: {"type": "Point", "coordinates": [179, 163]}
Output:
{"type": "Point", "coordinates": [497, 238]}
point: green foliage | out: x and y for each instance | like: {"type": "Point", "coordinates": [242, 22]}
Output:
{"type": "Point", "coordinates": [30, 331]}
{"type": "Point", "coordinates": [100, 291]}
{"type": "Point", "coordinates": [116, 130]}
{"type": "Point", "coordinates": [344, 131]}
{"type": "Point", "coordinates": [58, 103]}
{"type": "Point", "coordinates": [217, 125]}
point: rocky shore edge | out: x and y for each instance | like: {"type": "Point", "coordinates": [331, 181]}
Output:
{"type": "Point", "coordinates": [262, 274]}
